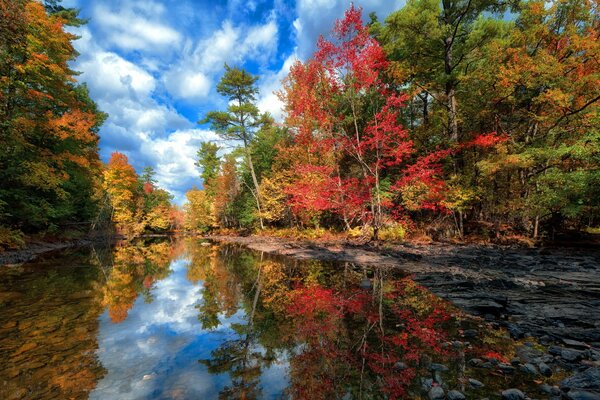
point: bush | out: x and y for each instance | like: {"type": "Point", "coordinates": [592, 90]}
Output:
{"type": "Point", "coordinates": [11, 239]}
{"type": "Point", "coordinates": [392, 233]}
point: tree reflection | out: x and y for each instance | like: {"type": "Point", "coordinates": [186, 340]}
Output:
{"type": "Point", "coordinates": [135, 268]}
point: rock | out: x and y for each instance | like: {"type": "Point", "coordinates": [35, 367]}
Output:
{"type": "Point", "coordinates": [545, 369]}
{"type": "Point", "coordinates": [515, 331]}
{"type": "Point", "coordinates": [400, 366]}
{"type": "Point", "coordinates": [586, 380]}
{"type": "Point", "coordinates": [475, 384]}
{"type": "Point", "coordinates": [476, 362]}
{"type": "Point", "coordinates": [515, 361]}
{"type": "Point", "coordinates": [426, 384]}
{"type": "Point", "coordinates": [513, 394]}
{"type": "Point", "coordinates": [438, 367]}
{"type": "Point", "coordinates": [571, 355]}
{"type": "Point", "coordinates": [575, 344]}
{"type": "Point", "coordinates": [506, 368]}
{"type": "Point", "coordinates": [455, 395]}
{"type": "Point", "coordinates": [581, 395]}
{"type": "Point", "coordinates": [529, 369]}
{"type": "Point", "coordinates": [436, 393]}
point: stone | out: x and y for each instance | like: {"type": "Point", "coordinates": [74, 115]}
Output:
{"type": "Point", "coordinates": [438, 367]}
{"type": "Point", "coordinates": [529, 369]}
{"type": "Point", "coordinates": [470, 333]}
{"type": "Point", "coordinates": [545, 369]}
{"type": "Point", "coordinates": [571, 355]}
{"type": "Point", "coordinates": [575, 344]}
{"type": "Point", "coordinates": [506, 368]}
{"type": "Point", "coordinates": [426, 383]}
{"type": "Point", "coordinates": [436, 393]}
{"type": "Point", "coordinates": [400, 366]}
{"type": "Point", "coordinates": [476, 362]}
{"type": "Point", "coordinates": [455, 395]}
{"type": "Point", "coordinates": [582, 395]}
{"type": "Point", "coordinates": [475, 384]}
{"type": "Point", "coordinates": [586, 380]}
{"type": "Point", "coordinates": [513, 394]}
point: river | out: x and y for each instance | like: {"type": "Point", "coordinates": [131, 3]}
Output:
{"type": "Point", "coordinates": [190, 319]}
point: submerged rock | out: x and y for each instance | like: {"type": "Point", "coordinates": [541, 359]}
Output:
{"type": "Point", "coordinates": [475, 383]}
{"type": "Point", "coordinates": [581, 395]}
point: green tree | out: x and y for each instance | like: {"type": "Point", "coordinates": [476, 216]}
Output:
{"type": "Point", "coordinates": [241, 119]}
{"type": "Point", "coordinates": [210, 162]}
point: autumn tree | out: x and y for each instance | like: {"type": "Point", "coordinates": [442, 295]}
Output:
{"type": "Point", "coordinates": [122, 187]}
{"type": "Point", "coordinates": [49, 165]}
{"type": "Point", "coordinates": [199, 211]}
{"type": "Point", "coordinates": [360, 159]}
{"type": "Point", "coordinates": [241, 119]}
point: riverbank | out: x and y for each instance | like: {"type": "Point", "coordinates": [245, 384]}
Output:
{"type": "Point", "coordinates": [35, 248]}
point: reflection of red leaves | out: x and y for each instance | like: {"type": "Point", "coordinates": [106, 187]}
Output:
{"type": "Point", "coordinates": [318, 309]}
{"type": "Point", "coordinates": [148, 282]}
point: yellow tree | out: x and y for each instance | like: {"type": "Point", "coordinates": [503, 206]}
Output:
{"type": "Point", "coordinates": [199, 211]}
{"type": "Point", "coordinates": [122, 187]}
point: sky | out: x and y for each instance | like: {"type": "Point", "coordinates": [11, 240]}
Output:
{"type": "Point", "coordinates": [153, 67]}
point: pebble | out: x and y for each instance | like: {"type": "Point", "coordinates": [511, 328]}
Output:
{"type": "Point", "coordinates": [513, 394]}
{"type": "Point", "coordinates": [545, 369]}
{"type": "Point", "coordinates": [581, 395]}
{"type": "Point", "coordinates": [475, 383]}
{"type": "Point", "coordinates": [455, 395]}
{"type": "Point", "coordinates": [529, 369]}
{"type": "Point", "coordinates": [436, 393]}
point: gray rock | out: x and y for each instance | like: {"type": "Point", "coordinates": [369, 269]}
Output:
{"type": "Point", "coordinates": [575, 344]}
{"type": "Point", "coordinates": [455, 395]}
{"type": "Point", "coordinates": [545, 369]}
{"type": "Point", "coordinates": [475, 383]}
{"type": "Point", "coordinates": [506, 368]}
{"type": "Point", "coordinates": [581, 395]}
{"type": "Point", "coordinates": [426, 383]}
{"type": "Point", "coordinates": [476, 362]}
{"type": "Point", "coordinates": [513, 394]}
{"type": "Point", "coordinates": [571, 355]}
{"type": "Point", "coordinates": [400, 366]}
{"type": "Point", "coordinates": [586, 380]}
{"type": "Point", "coordinates": [436, 393]}
{"type": "Point", "coordinates": [529, 369]}
{"type": "Point", "coordinates": [438, 367]}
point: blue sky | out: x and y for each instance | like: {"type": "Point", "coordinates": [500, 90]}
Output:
{"type": "Point", "coordinates": [153, 67]}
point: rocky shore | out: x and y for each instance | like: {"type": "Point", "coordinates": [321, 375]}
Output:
{"type": "Point", "coordinates": [552, 295]}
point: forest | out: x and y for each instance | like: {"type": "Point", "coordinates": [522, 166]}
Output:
{"type": "Point", "coordinates": [468, 120]}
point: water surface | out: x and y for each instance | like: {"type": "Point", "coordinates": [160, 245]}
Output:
{"type": "Point", "coordinates": [184, 319]}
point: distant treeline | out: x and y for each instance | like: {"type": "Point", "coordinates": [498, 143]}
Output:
{"type": "Point", "coordinates": [457, 118]}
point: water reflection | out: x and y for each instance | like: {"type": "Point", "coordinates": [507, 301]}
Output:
{"type": "Point", "coordinates": [186, 320]}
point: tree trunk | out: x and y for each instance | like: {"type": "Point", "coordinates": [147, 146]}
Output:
{"type": "Point", "coordinates": [255, 181]}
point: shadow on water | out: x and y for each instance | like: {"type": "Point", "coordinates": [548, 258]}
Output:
{"type": "Point", "coordinates": [184, 319]}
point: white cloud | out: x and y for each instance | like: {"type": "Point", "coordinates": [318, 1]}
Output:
{"type": "Point", "coordinates": [175, 156]}
{"type": "Point", "coordinates": [136, 26]}
{"type": "Point", "coordinates": [108, 74]}
{"type": "Point", "coordinates": [191, 78]}
{"type": "Point", "coordinates": [186, 84]}
{"type": "Point", "coordinates": [270, 83]}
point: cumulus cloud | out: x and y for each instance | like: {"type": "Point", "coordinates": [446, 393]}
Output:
{"type": "Point", "coordinates": [191, 77]}
{"type": "Point", "coordinates": [136, 26]}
